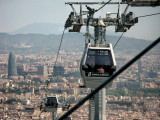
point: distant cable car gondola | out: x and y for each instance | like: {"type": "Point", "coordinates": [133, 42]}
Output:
{"type": "Point", "coordinates": [98, 63]}
{"type": "Point", "coordinates": [50, 104]}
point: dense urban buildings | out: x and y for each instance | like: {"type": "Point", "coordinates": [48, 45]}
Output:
{"type": "Point", "coordinates": [134, 94]}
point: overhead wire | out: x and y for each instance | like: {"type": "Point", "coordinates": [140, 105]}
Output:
{"type": "Point", "coordinates": [107, 81]}
{"type": "Point", "coordinates": [103, 6]}
{"type": "Point", "coordinates": [49, 81]}
{"type": "Point", "coordinates": [59, 47]}
{"type": "Point", "coordinates": [57, 53]}
{"type": "Point", "coordinates": [148, 15]}
{"type": "Point", "coordinates": [118, 40]}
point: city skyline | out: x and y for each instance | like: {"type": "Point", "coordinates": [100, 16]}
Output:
{"type": "Point", "coordinates": [44, 80]}
{"type": "Point", "coordinates": [122, 103]}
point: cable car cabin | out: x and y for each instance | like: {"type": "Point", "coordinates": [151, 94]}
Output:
{"type": "Point", "coordinates": [50, 104]}
{"type": "Point", "coordinates": [97, 64]}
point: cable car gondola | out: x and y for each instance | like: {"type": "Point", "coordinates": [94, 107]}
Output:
{"type": "Point", "coordinates": [50, 104]}
{"type": "Point", "coordinates": [98, 63]}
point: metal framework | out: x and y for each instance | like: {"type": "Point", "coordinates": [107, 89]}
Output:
{"type": "Point", "coordinates": [133, 3]}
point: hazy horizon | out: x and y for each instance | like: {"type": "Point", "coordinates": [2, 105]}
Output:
{"type": "Point", "coordinates": [16, 14]}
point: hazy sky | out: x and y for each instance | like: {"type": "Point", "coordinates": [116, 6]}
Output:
{"type": "Point", "coordinates": [15, 14]}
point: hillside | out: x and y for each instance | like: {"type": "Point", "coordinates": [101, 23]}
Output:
{"type": "Point", "coordinates": [33, 43]}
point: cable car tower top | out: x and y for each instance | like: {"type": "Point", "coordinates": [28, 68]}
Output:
{"type": "Point", "coordinates": [121, 22]}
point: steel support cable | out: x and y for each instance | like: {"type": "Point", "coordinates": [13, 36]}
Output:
{"type": "Point", "coordinates": [59, 47]}
{"type": "Point", "coordinates": [90, 95]}
{"type": "Point", "coordinates": [56, 57]}
{"type": "Point", "coordinates": [148, 15]}
{"type": "Point", "coordinates": [118, 40]}
{"type": "Point", "coordinates": [103, 6]}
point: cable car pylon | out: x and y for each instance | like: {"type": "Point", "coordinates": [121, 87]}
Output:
{"type": "Point", "coordinates": [98, 60]}
{"type": "Point", "coordinates": [98, 63]}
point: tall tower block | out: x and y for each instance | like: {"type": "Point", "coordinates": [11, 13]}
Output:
{"type": "Point", "coordinates": [140, 72]}
{"type": "Point", "coordinates": [12, 67]}
{"type": "Point", "coordinates": [42, 70]}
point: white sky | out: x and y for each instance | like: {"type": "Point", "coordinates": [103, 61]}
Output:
{"type": "Point", "coordinates": [15, 14]}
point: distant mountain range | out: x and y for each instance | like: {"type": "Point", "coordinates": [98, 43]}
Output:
{"type": "Point", "coordinates": [39, 43]}
{"type": "Point", "coordinates": [40, 28]}
{"type": "Point", "coordinates": [47, 29]}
